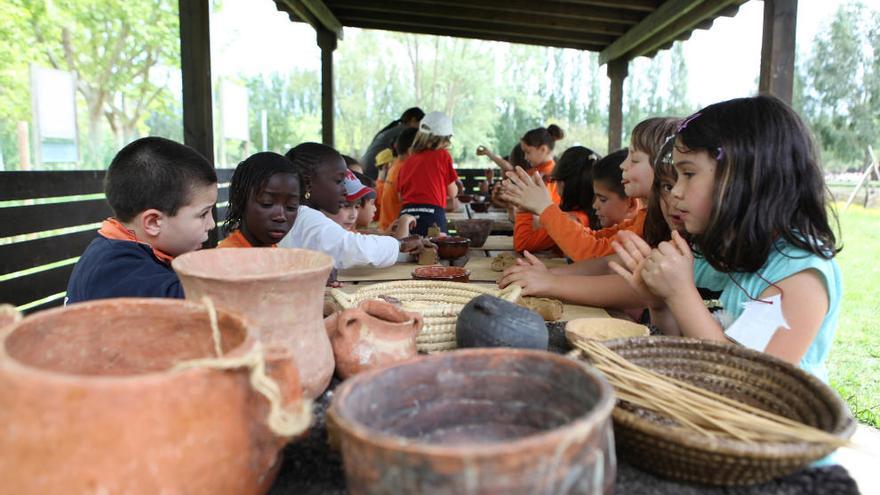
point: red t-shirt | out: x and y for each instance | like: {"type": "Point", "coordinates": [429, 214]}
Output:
{"type": "Point", "coordinates": [423, 178]}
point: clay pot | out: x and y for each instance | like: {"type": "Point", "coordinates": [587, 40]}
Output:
{"type": "Point", "coordinates": [442, 273]}
{"type": "Point", "coordinates": [480, 207]}
{"type": "Point", "coordinates": [89, 404]}
{"type": "Point", "coordinates": [450, 248]}
{"type": "Point", "coordinates": [488, 321]}
{"type": "Point", "coordinates": [476, 229]}
{"type": "Point", "coordinates": [465, 198]}
{"type": "Point", "coordinates": [372, 335]}
{"type": "Point", "coordinates": [477, 421]}
{"type": "Point", "coordinates": [280, 292]}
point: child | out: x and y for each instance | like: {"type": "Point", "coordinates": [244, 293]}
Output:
{"type": "Point", "coordinates": [353, 164]}
{"type": "Point", "coordinates": [161, 193]}
{"type": "Point", "coordinates": [383, 162]}
{"type": "Point", "coordinates": [427, 178]}
{"type": "Point", "coordinates": [390, 196]}
{"type": "Point", "coordinates": [537, 147]}
{"type": "Point", "coordinates": [323, 174]}
{"type": "Point", "coordinates": [752, 196]}
{"type": "Point", "coordinates": [355, 193]}
{"type": "Point", "coordinates": [366, 204]}
{"type": "Point", "coordinates": [610, 201]}
{"type": "Point", "coordinates": [263, 201]}
{"type": "Point", "coordinates": [580, 243]}
{"type": "Point", "coordinates": [572, 181]}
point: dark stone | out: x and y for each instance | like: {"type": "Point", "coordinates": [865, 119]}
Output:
{"type": "Point", "coordinates": [488, 321]}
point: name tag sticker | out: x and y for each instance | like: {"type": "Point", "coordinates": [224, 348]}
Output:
{"type": "Point", "coordinates": [758, 323]}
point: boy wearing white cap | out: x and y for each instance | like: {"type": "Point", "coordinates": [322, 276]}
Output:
{"type": "Point", "coordinates": [427, 178]}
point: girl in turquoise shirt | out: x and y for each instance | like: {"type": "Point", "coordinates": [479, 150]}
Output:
{"type": "Point", "coordinates": [752, 197]}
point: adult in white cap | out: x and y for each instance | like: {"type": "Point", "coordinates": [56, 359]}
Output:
{"type": "Point", "coordinates": [427, 178]}
{"type": "Point", "coordinates": [385, 138]}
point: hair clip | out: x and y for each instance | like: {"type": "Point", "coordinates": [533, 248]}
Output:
{"type": "Point", "coordinates": [719, 154]}
{"type": "Point", "coordinates": [686, 121]}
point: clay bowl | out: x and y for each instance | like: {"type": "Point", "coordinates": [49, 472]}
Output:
{"type": "Point", "coordinates": [477, 421]}
{"type": "Point", "coordinates": [476, 229]}
{"type": "Point", "coordinates": [90, 400]}
{"type": "Point", "coordinates": [480, 207]}
{"type": "Point", "coordinates": [451, 247]}
{"type": "Point", "coordinates": [442, 273]}
{"type": "Point", "coordinates": [465, 198]}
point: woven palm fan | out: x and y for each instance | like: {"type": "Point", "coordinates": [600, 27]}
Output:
{"type": "Point", "coordinates": [439, 303]}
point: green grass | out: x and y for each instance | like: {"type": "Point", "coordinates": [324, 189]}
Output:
{"type": "Point", "coordinates": [854, 363]}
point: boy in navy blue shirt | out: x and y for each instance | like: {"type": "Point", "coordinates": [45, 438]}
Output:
{"type": "Point", "coordinates": [161, 193]}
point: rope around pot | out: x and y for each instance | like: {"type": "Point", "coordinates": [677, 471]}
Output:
{"type": "Point", "coordinates": [281, 421]}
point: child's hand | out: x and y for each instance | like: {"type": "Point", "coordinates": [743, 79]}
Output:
{"type": "Point", "coordinates": [527, 192]}
{"type": "Point", "coordinates": [530, 274]}
{"type": "Point", "coordinates": [403, 225]}
{"type": "Point", "coordinates": [633, 252]}
{"type": "Point", "coordinates": [482, 150]}
{"type": "Point", "coordinates": [413, 244]}
{"type": "Point", "coordinates": [669, 269]}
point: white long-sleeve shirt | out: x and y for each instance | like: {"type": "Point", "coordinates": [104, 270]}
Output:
{"type": "Point", "coordinates": [312, 230]}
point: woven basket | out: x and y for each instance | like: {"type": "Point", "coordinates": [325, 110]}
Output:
{"type": "Point", "coordinates": [438, 302]}
{"type": "Point", "coordinates": [656, 444]}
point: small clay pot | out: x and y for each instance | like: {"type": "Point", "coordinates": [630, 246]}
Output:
{"type": "Point", "coordinates": [475, 229]}
{"type": "Point", "coordinates": [442, 273]}
{"type": "Point", "coordinates": [480, 207]}
{"type": "Point", "coordinates": [374, 334]}
{"type": "Point", "coordinates": [488, 321]}
{"type": "Point", "coordinates": [465, 198]}
{"type": "Point", "coordinates": [450, 248]}
{"type": "Point", "coordinates": [90, 402]}
{"type": "Point", "coordinates": [477, 421]}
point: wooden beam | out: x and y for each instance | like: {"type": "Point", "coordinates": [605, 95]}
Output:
{"type": "Point", "coordinates": [329, 21]}
{"type": "Point", "coordinates": [298, 12]}
{"type": "Point", "coordinates": [460, 33]}
{"type": "Point", "coordinates": [778, 49]}
{"type": "Point", "coordinates": [327, 42]}
{"type": "Point", "coordinates": [650, 25]}
{"type": "Point", "coordinates": [554, 8]}
{"type": "Point", "coordinates": [640, 5]}
{"type": "Point", "coordinates": [487, 16]}
{"type": "Point", "coordinates": [617, 71]}
{"type": "Point", "coordinates": [703, 14]}
{"type": "Point", "coordinates": [195, 69]}
{"type": "Point", "coordinates": [470, 29]}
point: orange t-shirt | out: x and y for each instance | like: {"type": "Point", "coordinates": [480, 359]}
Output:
{"type": "Point", "coordinates": [237, 240]}
{"type": "Point", "coordinates": [578, 241]}
{"type": "Point", "coordinates": [114, 229]}
{"type": "Point", "coordinates": [525, 235]}
{"type": "Point", "coordinates": [390, 197]}
{"type": "Point", "coordinates": [380, 187]}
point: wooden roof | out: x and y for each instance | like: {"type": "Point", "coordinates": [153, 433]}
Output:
{"type": "Point", "coordinates": [614, 28]}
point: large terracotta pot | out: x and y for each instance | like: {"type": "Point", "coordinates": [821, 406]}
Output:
{"type": "Point", "coordinates": [372, 335]}
{"type": "Point", "coordinates": [477, 421]}
{"type": "Point", "coordinates": [279, 292]}
{"type": "Point", "coordinates": [89, 403]}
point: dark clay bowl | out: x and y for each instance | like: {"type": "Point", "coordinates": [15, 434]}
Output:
{"type": "Point", "coordinates": [478, 421]}
{"type": "Point", "coordinates": [450, 248]}
{"type": "Point", "coordinates": [465, 198]}
{"type": "Point", "coordinates": [442, 273]}
{"type": "Point", "coordinates": [475, 229]}
{"type": "Point", "coordinates": [481, 207]}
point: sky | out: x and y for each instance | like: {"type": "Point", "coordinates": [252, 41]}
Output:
{"type": "Point", "coordinates": [723, 62]}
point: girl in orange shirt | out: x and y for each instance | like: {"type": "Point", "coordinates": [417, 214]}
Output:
{"type": "Point", "coordinates": [263, 201]}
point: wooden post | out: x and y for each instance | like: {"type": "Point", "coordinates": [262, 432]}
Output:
{"type": "Point", "coordinates": [195, 68]}
{"type": "Point", "coordinates": [24, 145]}
{"type": "Point", "coordinates": [778, 49]}
{"type": "Point", "coordinates": [617, 71]}
{"type": "Point", "coordinates": [327, 42]}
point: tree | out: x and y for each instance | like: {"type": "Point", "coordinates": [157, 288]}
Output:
{"type": "Point", "coordinates": [840, 78]}
{"type": "Point", "coordinates": [115, 47]}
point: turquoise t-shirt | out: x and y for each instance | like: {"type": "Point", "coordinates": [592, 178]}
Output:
{"type": "Point", "coordinates": [782, 262]}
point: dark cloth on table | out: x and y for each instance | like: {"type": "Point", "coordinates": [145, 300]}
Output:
{"type": "Point", "coordinates": [311, 467]}
{"type": "Point", "coordinates": [383, 139]}
{"type": "Point", "coordinates": [114, 268]}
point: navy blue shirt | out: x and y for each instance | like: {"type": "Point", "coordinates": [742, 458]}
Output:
{"type": "Point", "coordinates": [113, 268]}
